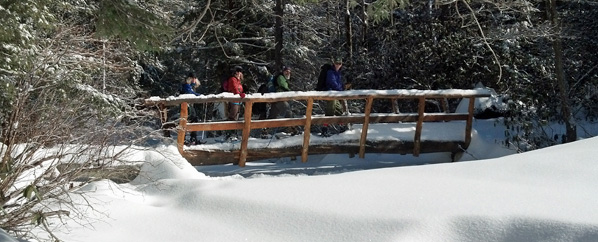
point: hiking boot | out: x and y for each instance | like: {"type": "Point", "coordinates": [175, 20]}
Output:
{"type": "Point", "coordinates": [292, 131]}
{"type": "Point", "coordinates": [232, 138]}
{"type": "Point", "coordinates": [325, 132]}
{"type": "Point", "coordinates": [342, 128]}
{"type": "Point", "coordinates": [338, 128]}
{"type": "Point", "coordinates": [265, 133]}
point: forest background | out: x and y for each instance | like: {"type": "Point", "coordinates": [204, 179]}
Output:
{"type": "Point", "coordinates": [77, 71]}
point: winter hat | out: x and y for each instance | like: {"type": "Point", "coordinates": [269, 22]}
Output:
{"type": "Point", "coordinates": [238, 69]}
{"type": "Point", "coordinates": [191, 74]}
{"type": "Point", "coordinates": [286, 68]}
{"type": "Point", "coordinates": [337, 60]}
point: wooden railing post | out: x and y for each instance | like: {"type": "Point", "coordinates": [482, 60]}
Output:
{"type": "Point", "coordinates": [469, 122]}
{"type": "Point", "coordinates": [345, 106]}
{"type": "Point", "coordinates": [419, 126]}
{"type": "Point", "coordinates": [366, 124]}
{"type": "Point", "coordinates": [246, 132]}
{"type": "Point", "coordinates": [181, 132]}
{"type": "Point", "coordinates": [307, 130]}
{"type": "Point", "coordinates": [163, 112]}
{"type": "Point", "coordinates": [395, 105]}
{"type": "Point", "coordinates": [444, 103]}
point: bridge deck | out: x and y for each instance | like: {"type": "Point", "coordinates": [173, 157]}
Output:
{"type": "Point", "coordinates": [395, 138]}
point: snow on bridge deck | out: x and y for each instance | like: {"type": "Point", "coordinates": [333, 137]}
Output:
{"type": "Point", "coordinates": [450, 131]}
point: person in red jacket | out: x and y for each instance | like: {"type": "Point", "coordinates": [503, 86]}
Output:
{"type": "Point", "coordinates": [234, 85]}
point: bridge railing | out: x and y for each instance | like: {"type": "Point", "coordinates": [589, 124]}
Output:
{"type": "Point", "coordinates": [246, 124]}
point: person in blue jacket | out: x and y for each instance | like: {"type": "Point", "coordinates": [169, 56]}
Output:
{"type": "Point", "coordinates": [188, 87]}
{"type": "Point", "coordinates": [190, 84]}
{"type": "Point", "coordinates": [334, 83]}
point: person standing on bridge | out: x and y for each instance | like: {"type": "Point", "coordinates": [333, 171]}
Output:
{"type": "Point", "coordinates": [282, 107]}
{"type": "Point", "coordinates": [190, 84]}
{"type": "Point", "coordinates": [334, 83]}
{"type": "Point", "coordinates": [233, 84]}
{"type": "Point", "coordinates": [188, 87]}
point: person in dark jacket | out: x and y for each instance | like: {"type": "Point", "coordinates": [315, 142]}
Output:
{"type": "Point", "coordinates": [190, 84]}
{"type": "Point", "coordinates": [334, 83]}
{"type": "Point", "coordinates": [188, 87]}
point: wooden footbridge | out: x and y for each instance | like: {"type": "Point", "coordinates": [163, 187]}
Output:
{"type": "Point", "coordinates": [208, 154]}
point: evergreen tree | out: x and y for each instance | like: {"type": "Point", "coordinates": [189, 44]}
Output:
{"type": "Point", "coordinates": [66, 88]}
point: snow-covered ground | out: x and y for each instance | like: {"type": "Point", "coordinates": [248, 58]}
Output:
{"type": "Point", "coordinates": [543, 195]}
{"type": "Point", "coordinates": [492, 194]}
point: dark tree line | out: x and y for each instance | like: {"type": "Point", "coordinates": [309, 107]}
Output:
{"type": "Point", "coordinates": [535, 52]}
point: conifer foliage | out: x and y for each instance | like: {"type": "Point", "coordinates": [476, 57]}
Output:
{"type": "Point", "coordinates": [64, 90]}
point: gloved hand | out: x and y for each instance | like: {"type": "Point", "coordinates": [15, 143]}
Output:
{"type": "Point", "coordinates": [242, 95]}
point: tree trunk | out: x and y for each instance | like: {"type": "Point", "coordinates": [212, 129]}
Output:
{"type": "Point", "coordinates": [348, 30]}
{"type": "Point", "coordinates": [278, 11]}
{"type": "Point", "coordinates": [364, 16]}
{"type": "Point", "coordinates": [328, 17]}
{"type": "Point", "coordinates": [563, 86]}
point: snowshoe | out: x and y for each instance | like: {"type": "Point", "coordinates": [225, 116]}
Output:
{"type": "Point", "coordinates": [292, 131]}
{"type": "Point", "coordinates": [265, 134]}
{"type": "Point", "coordinates": [282, 135]}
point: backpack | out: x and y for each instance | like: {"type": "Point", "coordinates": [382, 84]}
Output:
{"type": "Point", "coordinates": [224, 85]}
{"type": "Point", "coordinates": [272, 83]}
{"type": "Point", "coordinates": [321, 85]}
{"type": "Point", "coordinates": [263, 89]}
